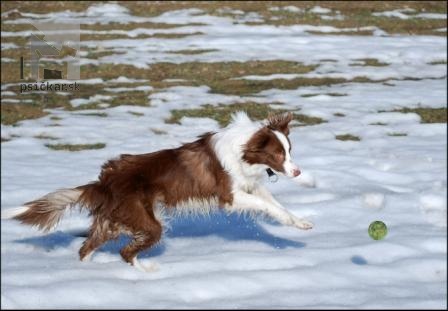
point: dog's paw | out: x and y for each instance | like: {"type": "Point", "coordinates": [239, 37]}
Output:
{"type": "Point", "coordinates": [303, 224]}
{"type": "Point", "coordinates": [145, 266]}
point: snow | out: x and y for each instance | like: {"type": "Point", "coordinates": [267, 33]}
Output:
{"type": "Point", "coordinates": [8, 45]}
{"type": "Point", "coordinates": [320, 10]}
{"type": "Point", "coordinates": [83, 101]}
{"type": "Point", "coordinates": [292, 8]}
{"type": "Point", "coordinates": [399, 13]}
{"type": "Point", "coordinates": [8, 93]}
{"type": "Point", "coordinates": [434, 207]}
{"type": "Point", "coordinates": [231, 261]}
{"type": "Point", "coordinates": [406, 52]}
{"type": "Point", "coordinates": [338, 17]}
{"type": "Point", "coordinates": [431, 15]}
{"type": "Point", "coordinates": [374, 200]}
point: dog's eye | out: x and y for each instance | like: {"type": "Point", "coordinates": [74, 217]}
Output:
{"type": "Point", "coordinates": [279, 155]}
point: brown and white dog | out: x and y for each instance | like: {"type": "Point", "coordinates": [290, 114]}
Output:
{"type": "Point", "coordinates": [222, 169]}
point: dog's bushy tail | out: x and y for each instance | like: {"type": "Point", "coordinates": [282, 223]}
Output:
{"type": "Point", "coordinates": [47, 211]}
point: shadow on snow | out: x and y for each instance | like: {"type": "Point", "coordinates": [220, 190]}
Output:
{"type": "Point", "coordinates": [231, 227]}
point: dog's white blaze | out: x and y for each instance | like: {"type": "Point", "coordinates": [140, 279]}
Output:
{"type": "Point", "coordinates": [288, 165]}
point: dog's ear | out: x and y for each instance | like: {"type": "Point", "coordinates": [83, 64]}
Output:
{"type": "Point", "coordinates": [280, 122]}
{"type": "Point", "coordinates": [258, 140]}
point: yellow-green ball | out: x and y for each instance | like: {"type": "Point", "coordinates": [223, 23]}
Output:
{"type": "Point", "coordinates": [377, 230]}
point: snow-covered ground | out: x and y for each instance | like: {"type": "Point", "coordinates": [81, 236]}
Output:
{"type": "Point", "coordinates": [230, 261]}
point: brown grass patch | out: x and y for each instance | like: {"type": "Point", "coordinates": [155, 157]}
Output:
{"type": "Point", "coordinates": [397, 134]}
{"type": "Point", "coordinates": [369, 62]}
{"type": "Point", "coordinates": [427, 115]}
{"type": "Point", "coordinates": [15, 112]}
{"type": "Point", "coordinates": [346, 137]}
{"type": "Point", "coordinates": [355, 16]}
{"type": "Point", "coordinates": [193, 52]}
{"type": "Point", "coordinates": [75, 147]}
{"type": "Point", "coordinates": [45, 136]}
{"type": "Point", "coordinates": [342, 33]}
{"type": "Point", "coordinates": [222, 113]}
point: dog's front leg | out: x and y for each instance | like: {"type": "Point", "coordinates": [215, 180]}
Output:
{"type": "Point", "coordinates": [243, 201]}
{"type": "Point", "coordinates": [298, 222]}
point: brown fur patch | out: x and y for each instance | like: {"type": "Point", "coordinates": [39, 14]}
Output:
{"type": "Point", "coordinates": [129, 188]}
{"type": "Point", "coordinates": [265, 148]}
{"type": "Point", "coordinates": [280, 122]}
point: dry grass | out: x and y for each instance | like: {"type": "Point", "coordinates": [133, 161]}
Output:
{"type": "Point", "coordinates": [356, 16]}
{"type": "Point", "coordinates": [329, 94]}
{"type": "Point", "coordinates": [95, 54]}
{"type": "Point", "coordinates": [93, 114]}
{"type": "Point", "coordinates": [218, 76]}
{"type": "Point", "coordinates": [193, 52]}
{"type": "Point", "coordinates": [5, 139]}
{"type": "Point", "coordinates": [341, 33]}
{"type": "Point", "coordinates": [438, 62]}
{"type": "Point", "coordinates": [158, 131]}
{"type": "Point", "coordinates": [13, 113]}
{"type": "Point", "coordinates": [98, 37]}
{"type": "Point", "coordinates": [137, 114]}
{"type": "Point", "coordinates": [131, 98]}
{"type": "Point", "coordinates": [338, 114]}
{"type": "Point", "coordinates": [152, 8]}
{"type": "Point", "coordinates": [196, 72]}
{"type": "Point", "coordinates": [427, 115]}
{"type": "Point", "coordinates": [75, 147]}
{"type": "Point", "coordinates": [45, 136]}
{"type": "Point", "coordinates": [346, 137]}
{"type": "Point", "coordinates": [103, 27]}
{"type": "Point", "coordinates": [222, 113]}
{"type": "Point", "coordinates": [369, 62]}
{"type": "Point", "coordinates": [397, 134]}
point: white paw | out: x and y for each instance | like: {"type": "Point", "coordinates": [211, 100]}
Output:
{"type": "Point", "coordinates": [87, 257]}
{"type": "Point", "coordinates": [303, 224]}
{"type": "Point", "coordinates": [145, 267]}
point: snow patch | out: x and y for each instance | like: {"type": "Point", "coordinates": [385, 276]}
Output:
{"type": "Point", "coordinates": [435, 208]}
{"type": "Point", "coordinates": [320, 10]}
{"type": "Point", "coordinates": [374, 200]}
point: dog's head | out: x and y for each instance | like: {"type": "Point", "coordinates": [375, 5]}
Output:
{"type": "Point", "coordinates": [271, 146]}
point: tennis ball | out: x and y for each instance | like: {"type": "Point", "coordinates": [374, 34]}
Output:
{"type": "Point", "coordinates": [377, 230]}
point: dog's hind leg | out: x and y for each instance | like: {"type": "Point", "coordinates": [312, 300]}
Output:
{"type": "Point", "coordinates": [146, 231]}
{"type": "Point", "coordinates": [100, 232]}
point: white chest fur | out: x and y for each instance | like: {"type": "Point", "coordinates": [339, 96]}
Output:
{"type": "Point", "coordinates": [228, 145]}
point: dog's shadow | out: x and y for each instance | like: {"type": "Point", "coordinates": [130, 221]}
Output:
{"type": "Point", "coordinates": [231, 227]}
